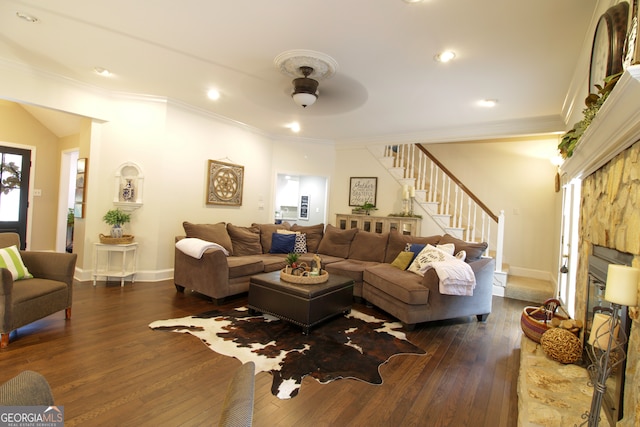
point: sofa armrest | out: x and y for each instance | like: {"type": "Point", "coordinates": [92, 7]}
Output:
{"type": "Point", "coordinates": [6, 283]}
{"type": "Point", "coordinates": [482, 270]}
{"type": "Point", "coordinates": [449, 306]}
{"type": "Point", "coordinates": [28, 388]}
{"type": "Point", "coordinates": [51, 265]}
{"type": "Point", "coordinates": [208, 275]}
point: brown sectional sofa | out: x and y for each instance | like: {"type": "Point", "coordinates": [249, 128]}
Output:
{"type": "Point", "coordinates": [365, 257]}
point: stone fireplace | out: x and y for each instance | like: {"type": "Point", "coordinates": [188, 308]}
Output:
{"type": "Point", "coordinates": [599, 261]}
{"type": "Point", "coordinates": [608, 162]}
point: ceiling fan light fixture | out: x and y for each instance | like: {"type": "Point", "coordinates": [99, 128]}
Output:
{"type": "Point", "coordinates": [304, 99]}
{"type": "Point", "coordinates": [305, 90]}
{"type": "Point", "coordinates": [309, 64]}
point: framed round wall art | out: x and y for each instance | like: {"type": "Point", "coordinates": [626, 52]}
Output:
{"type": "Point", "coordinates": [224, 183]}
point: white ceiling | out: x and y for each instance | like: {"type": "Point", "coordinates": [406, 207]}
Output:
{"type": "Point", "coordinates": [387, 85]}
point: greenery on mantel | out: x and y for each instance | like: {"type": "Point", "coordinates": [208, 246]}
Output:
{"type": "Point", "coordinates": [593, 102]}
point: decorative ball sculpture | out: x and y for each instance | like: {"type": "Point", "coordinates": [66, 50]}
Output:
{"type": "Point", "coordinates": [561, 345]}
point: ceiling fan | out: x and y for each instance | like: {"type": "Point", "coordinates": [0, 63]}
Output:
{"type": "Point", "coordinates": [307, 67]}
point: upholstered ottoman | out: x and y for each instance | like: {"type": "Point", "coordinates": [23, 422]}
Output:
{"type": "Point", "coordinates": [303, 305]}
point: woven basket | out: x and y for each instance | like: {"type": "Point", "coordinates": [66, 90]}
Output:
{"type": "Point", "coordinates": [561, 345]}
{"type": "Point", "coordinates": [304, 280]}
{"type": "Point", "coordinates": [535, 321]}
{"type": "Point", "coordinates": [127, 238]}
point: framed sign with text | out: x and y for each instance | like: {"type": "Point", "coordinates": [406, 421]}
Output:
{"type": "Point", "coordinates": [362, 190]}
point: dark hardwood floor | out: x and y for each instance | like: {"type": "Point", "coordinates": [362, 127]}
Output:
{"type": "Point", "coordinates": [107, 368]}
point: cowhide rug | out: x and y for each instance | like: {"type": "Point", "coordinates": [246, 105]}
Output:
{"type": "Point", "coordinates": [350, 346]}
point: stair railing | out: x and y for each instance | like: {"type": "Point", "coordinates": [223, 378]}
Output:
{"type": "Point", "coordinates": [468, 214]}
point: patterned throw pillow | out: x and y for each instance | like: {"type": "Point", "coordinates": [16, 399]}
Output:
{"type": "Point", "coordinates": [10, 259]}
{"type": "Point", "coordinates": [422, 263]}
{"type": "Point", "coordinates": [300, 247]}
{"type": "Point", "coordinates": [301, 244]}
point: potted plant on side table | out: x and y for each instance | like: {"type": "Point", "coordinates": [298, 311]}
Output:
{"type": "Point", "coordinates": [116, 219]}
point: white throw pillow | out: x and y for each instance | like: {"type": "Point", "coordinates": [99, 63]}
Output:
{"type": "Point", "coordinates": [422, 263]}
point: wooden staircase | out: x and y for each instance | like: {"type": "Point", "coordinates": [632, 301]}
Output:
{"type": "Point", "coordinates": [432, 190]}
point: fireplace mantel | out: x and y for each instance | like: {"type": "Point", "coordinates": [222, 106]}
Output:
{"type": "Point", "coordinates": [615, 128]}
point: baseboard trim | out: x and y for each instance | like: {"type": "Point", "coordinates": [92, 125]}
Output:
{"type": "Point", "coordinates": [82, 275]}
{"type": "Point", "coordinates": [530, 273]}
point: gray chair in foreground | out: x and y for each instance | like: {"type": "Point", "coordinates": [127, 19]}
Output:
{"type": "Point", "coordinates": [28, 388]}
{"type": "Point", "coordinates": [49, 291]}
{"type": "Point", "coordinates": [237, 409]}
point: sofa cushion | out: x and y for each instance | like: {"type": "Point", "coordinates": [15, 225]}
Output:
{"type": "Point", "coordinates": [282, 243]}
{"type": "Point", "coordinates": [336, 242]}
{"type": "Point", "coordinates": [398, 242]}
{"type": "Point", "coordinates": [401, 285]}
{"type": "Point", "coordinates": [368, 246]}
{"type": "Point", "coordinates": [325, 259]}
{"type": "Point", "coordinates": [266, 232]}
{"type": "Point", "coordinates": [314, 235]}
{"type": "Point", "coordinates": [350, 268]}
{"type": "Point", "coordinates": [273, 262]}
{"type": "Point", "coordinates": [216, 233]}
{"type": "Point", "coordinates": [240, 266]}
{"type": "Point", "coordinates": [474, 251]}
{"type": "Point", "coordinates": [245, 240]}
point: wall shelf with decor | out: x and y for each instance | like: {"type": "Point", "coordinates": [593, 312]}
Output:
{"type": "Point", "coordinates": [128, 187]}
{"type": "Point", "coordinates": [380, 224]}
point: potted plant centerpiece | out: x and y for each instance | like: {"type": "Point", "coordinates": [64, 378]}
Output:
{"type": "Point", "coordinates": [292, 261]}
{"type": "Point", "coordinates": [368, 207]}
{"type": "Point", "coordinates": [116, 218]}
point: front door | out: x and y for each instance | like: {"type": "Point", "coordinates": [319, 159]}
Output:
{"type": "Point", "coordinates": [14, 191]}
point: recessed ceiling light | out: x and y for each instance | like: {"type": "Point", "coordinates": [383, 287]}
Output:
{"type": "Point", "coordinates": [488, 103]}
{"type": "Point", "coordinates": [445, 56]}
{"type": "Point", "coordinates": [213, 94]}
{"type": "Point", "coordinates": [27, 17]}
{"type": "Point", "coordinates": [102, 71]}
{"type": "Point", "coordinates": [294, 126]}
{"type": "Point", "coordinates": [413, 1]}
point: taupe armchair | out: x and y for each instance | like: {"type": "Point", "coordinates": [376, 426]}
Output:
{"type": "Point", "coordinates": [49, 291]}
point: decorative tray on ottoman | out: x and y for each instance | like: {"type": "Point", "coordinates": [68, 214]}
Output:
{"type": "Point", "coordinates": [305, 278]}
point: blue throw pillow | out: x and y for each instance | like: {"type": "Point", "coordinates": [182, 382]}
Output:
{"type": "Point", "coordinates": [282, 243]}
{"type": "Point", "coordinates": [416, 248]}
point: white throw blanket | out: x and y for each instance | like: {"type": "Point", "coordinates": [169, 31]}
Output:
{"type": "Point", "coordinates": [196, 247]}
{"type": "Point", "coordinates": [456, 277]}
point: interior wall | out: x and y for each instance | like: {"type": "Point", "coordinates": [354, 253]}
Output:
{"type": "Point", "coordinates": [19, 128]}
{"type": "Point", "coordinates": [360, 162]}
